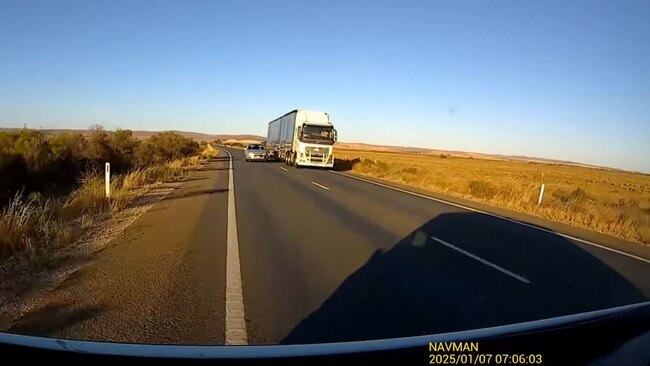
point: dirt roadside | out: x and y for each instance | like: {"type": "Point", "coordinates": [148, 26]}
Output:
{"type": "Point", "coordinates": [23, 283]}
{"type": "Point", "coordinates": [154, 281]}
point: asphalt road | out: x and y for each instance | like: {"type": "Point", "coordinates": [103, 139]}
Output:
{"type": "Point", "coordinates": [324, 257]}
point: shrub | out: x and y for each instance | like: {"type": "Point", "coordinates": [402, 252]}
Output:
{"type": "Point", "coordinates": [62, 176]}
{"type": "Point", "coordinates": [122, 146]}
{"type": "Point", "coordinates": [14, 173]}
{"type": "Point", "coordinates": [34, 148]}
{"type": "Point", "coordinates": [345, 164]}
{"type": "Point", "coordinates": [576, 196]}
{"type": "Point", "coordinates": [31, 161]}
{"type": "Point", "coordinates": [209, 152]}
{"type": "Point", "coordinates": [373, 164]}
{"type": "Point", "coordinates": [164, 147]}
{"type": "Point", "coordinates": [482, 189]}
{"type": "Point", "coordinates": [373, 167]}
{"type": "Point", "coordinates": [99, 148]}
{"type": "Point", "coordinates": [579, 195]}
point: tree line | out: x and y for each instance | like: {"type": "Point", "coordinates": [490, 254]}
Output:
{"type": "Point", "coordinates": [32, 161]}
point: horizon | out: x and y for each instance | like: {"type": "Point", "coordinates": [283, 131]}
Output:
{"type": "Point", "coordinates": [546, 80]}
{"type": "Point", "coordinates": [534, 159]}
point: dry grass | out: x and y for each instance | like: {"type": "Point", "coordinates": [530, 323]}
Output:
{"type": "Point", "coordinates": [33, 227]}
{"type": "Point", "coordinates": [209, 152]}
{"type": "Point", "coordinates": [611, 202]}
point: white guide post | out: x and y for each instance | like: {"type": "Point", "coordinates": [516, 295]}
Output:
{"type": "Point", "coordinates": [108, 180]}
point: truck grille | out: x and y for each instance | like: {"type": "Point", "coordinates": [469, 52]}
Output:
{"type": "Point", "coordinates": [316, 154]}
{"type": "Point", "coordinates": [313, 150]}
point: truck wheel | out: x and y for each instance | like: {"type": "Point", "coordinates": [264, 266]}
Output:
{"type": "Point", "coordinates": [292, 159]}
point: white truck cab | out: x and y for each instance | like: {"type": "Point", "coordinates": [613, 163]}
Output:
{"type": "Point", "coordinates": [302, 138]}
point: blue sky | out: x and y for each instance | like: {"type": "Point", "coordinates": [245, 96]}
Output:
{"type": "Point", "coordinates": [557, 79]}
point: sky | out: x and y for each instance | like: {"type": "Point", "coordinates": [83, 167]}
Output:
{"type": "Point", "coordinates": [566, 80]}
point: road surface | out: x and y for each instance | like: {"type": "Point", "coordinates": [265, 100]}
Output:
{"type": "Point", "coordinates": [317, 256]}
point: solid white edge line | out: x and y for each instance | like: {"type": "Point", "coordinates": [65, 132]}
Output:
{"type": "Point", "coordinates": [320, 186]}
{"type": "Point", "coordinates": [283, 168]}
{"type": "Point", "coordinates": [496, 216]}
{"type": "Point", "coordinates": [484, 261]}
{"type": "Point", "coordinates": [235, 318]}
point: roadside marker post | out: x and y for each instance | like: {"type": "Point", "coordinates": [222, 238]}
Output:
{"type": "Point", "coordinates": [108, 180]}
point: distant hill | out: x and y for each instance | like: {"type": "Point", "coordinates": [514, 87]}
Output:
{"type": "Point", "coordinates": [199, 136]}
{"type": "Point", "coordinates": [145, 134]}
{"type": "Point", "coordinates": [247, 139]}
{"type": "Point", "coordinates": [452, 153]}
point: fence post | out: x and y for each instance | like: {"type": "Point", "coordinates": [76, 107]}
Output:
{"type": "Point", "coordinates": [108, 180]}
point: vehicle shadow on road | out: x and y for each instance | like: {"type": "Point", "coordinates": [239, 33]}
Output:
{"type": "Point", "coordinates": [53, 318]}
{"type": "Point", "coordinates": [420, 286]}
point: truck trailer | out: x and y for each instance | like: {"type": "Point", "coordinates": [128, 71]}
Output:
{"type": "Point", "coordinates": [302, 138]}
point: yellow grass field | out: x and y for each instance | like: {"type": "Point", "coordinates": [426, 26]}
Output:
{"type": "Point", "coordinates": [611, 202]}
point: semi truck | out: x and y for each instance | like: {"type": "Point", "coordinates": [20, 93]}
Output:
{"type": "Point", "coordinates": [302, 138]}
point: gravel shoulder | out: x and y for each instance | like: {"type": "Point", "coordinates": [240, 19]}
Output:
{"type": "Point", "coordinates": [114, 280]}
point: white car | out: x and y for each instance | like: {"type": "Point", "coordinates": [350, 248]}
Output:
{"type": "Point", "coordinates": [255, 152]}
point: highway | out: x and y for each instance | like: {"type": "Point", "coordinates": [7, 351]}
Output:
{"type": "Point", "coordinates": [270, 254]}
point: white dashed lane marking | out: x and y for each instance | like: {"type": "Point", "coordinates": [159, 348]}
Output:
{"type": "Point", "coordinates": [320, 186]}
{"type": "Point", "coordinates": [484, 261]}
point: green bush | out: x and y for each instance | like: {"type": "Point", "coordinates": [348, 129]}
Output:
{"type": "Point", "coordinates": [31, 161]}
{"type": "Point", "coordinates": [164, 147]}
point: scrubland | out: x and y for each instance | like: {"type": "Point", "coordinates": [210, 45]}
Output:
{"type": "Point", "coordinates": [607, 201]}
{"type": "Point", "coordinates": [52, 188]}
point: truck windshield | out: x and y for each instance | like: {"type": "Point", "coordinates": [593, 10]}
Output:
{"type": "Point", "coordinates": [317, 133]}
